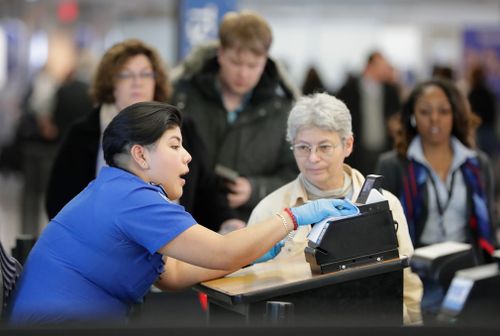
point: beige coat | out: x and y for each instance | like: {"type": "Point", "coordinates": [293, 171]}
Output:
{"type": "Point", "coordinates": [294, 194]}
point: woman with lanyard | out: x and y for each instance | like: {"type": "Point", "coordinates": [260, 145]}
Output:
{"type": "Point", "coordinates": [443, 182]}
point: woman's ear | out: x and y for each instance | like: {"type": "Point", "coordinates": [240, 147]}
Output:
{"type": "Point", "coordinates": [348, 146]}
{"type": "Point", "coordinates": [219, 54]}
{"type": "Point", "coordinates": [138, 154]}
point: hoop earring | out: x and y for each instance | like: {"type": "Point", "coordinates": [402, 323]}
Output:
{"type": "Point", "coordinates": [413, 121]}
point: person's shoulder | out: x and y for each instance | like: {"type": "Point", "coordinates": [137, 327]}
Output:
{"type": "Point", "coordinates": [181, 85]}
{"type": "Point", "coordinates": [83, 130]}
{"type": "Point", "coordinates": [124, 186]}
{"type": "Point", "coordinates": [482, 157]}
{"type": "Point", "coordinates": [352, 80]}
{"type": "Point", "coordinates": [281, 103]}
{"type": "Point", "coordinates": [390, 165]}
{"type": "Point", "coordinates": [290, 91]}
{"type": "Point", "coordinates": [194, 62]}
{"type": "Point", "coordinates": [279, 195]}
{"type": "Point", "coordinates": [391, 88]}
{"type": "Point", "coordinates": [283, 190]}
{"type": "Point", "coordinates": [394, 202]}
{"type": "Point", "coordinates": [87, 122]}
{"type": "Point", "coordinates": [274, 202]}
{"type": "Point", "coordinates": [390, 159]}
{"type": "Point", "coordinates": [389, 196]}
{"type": "Point", "coordinates": [485, 164]}
{"type": "Point", "coordinates": [389, 156]}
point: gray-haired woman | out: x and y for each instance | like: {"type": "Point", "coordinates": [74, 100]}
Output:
{"type": "Point", "coordinates": [320, 133]}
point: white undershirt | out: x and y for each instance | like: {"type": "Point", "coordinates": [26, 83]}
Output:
{"type": "Point", "coordinates": [373, 130]}
{"type": "Point", "coordinates": [106, 114]}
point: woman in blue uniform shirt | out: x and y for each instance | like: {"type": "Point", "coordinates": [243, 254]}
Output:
{"type": "Point", "coordinates": [122, 234]}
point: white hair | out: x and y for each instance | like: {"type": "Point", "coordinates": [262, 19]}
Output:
{"type": "Point", "coordinates": [319, 110]}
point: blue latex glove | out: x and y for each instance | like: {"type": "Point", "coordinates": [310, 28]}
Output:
{"type": "Point", "coordinates": [318, 210]}
{"type": "Point", "coordinates": [273, 252]}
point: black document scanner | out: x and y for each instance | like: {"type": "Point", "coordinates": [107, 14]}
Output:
{"type": "Point", "coordinates": [439, 262]}
{"type": "Point", "coordinates": [368, 237]}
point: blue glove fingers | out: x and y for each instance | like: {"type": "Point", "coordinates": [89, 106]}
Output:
{"type": "Point", "coordinates": [267, 256]}
{"type": "Point", "coordinates": [348, 212]}
{"type": "Point", "coordinates": [337, 202]}
{"type": "Point", "coordinates": [316, 211]}
{"type": "Point", "coordinates": [273, 252]}
{"type": "Point", "coordinates": [348, 208]}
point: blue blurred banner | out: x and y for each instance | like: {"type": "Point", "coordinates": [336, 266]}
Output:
{"type": "Point", "coordinates": [482, 47]}
{"type": "Point", "coordinates": [199, 21]}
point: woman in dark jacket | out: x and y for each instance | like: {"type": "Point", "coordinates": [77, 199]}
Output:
{"type": "Point", "coordinates": [444, 183]}
{"type": "Point", "coordinates": [129, 72]}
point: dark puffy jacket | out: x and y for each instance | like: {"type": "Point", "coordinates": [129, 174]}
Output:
{"type": "Point", "coordinates": [254, 145]}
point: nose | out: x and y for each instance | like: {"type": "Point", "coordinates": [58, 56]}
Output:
{"type": "Point", "coordinates": [243, 71]}
{"type": "Point", "coordinates": [136, 78]}
{"type": "Point", "coordinates": [313, 155]}
{"type": "Point", "coordinates": [187, 157]}
{"type": "Point", "coordinates": [435, 114]}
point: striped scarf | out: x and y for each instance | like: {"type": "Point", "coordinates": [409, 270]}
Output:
{"type": "Point", "coordinates": [414, 182]}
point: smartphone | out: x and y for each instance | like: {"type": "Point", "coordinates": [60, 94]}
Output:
{"type": "Point", "coordinates": [371, 181]}
{"type": "Point", "coordinates": [226, 173]}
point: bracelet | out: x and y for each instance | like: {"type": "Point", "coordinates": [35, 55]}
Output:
{"type": "Point", "coordinates": [294, 220]}
{"type": "Point", "coordinates": [284, 222]}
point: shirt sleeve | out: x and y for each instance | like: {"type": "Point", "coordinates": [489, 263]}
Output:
{"type": "Point", "coordinates": [412, 286]}
{"type": "Point", "coordinates": [151, 220]}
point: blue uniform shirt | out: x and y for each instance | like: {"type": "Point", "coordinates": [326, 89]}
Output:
{"type": "Point", "coordinates": [98, 255]}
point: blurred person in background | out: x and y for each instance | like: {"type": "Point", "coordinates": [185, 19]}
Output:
{"type": "Point", "coordinates": [40, 130]}
{"type": "Point", "coordinates": [483, 103]}
{"type": "Point", "coordinates": [312, 82]}
{"type": "Point", "coordinates": [239, 99]}
{"type": "Point", "coordinates": [130, 72]}
{"type": "Point", "coordinates": [373, 100]}
{"type": "Point", "coordinates": [445, 72]}
{"type": "Point", "coordinates": [444, 183]}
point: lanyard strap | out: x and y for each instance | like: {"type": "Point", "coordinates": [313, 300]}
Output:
{"type": "Point", "coordinates": [442, 209]}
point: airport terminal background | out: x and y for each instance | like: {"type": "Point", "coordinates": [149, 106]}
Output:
{"type": "Point", "coordinates": [331, 37]}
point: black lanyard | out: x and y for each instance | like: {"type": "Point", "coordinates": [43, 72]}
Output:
{"type": "Point", "coordinates": [442, 209]}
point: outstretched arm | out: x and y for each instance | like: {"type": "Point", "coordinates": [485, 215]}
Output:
{"type": "Point", "coordinates": [205, 249]}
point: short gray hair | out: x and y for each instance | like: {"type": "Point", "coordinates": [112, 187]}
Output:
{"type": "Point", "coordinates": [319, 110]}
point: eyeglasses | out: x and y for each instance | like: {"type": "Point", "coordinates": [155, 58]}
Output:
{"type": "Point", "coordinates": [130, 76]}
{"type": "Point", "coordinates": [304, 150]}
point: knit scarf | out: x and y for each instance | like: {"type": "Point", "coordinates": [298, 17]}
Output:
{"type": "Point", "coordinates": [414, 182]}
{"type": "Point", "coordinates": [314, 192]}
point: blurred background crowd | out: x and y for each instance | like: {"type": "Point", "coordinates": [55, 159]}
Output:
{"type": "Point", "coordinates": [49, 50]}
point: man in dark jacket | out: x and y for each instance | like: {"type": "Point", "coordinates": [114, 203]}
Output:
{"type": "Point", "coordinates": [372, 101]}
{"type": "Point", "coordinates": [239, 100]}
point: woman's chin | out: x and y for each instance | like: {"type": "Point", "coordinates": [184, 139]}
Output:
{"type": "Point", "coordinates": [174, 194]}
{"type": "Point", "coordinates": [178, 194]}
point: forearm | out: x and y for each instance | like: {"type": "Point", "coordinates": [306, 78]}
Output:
{"type": "Point", "coordinates": [179, 275]}
{"type": "Point", "coordinates": [249, 243]}
{"type": "Point", "coordinates": [412, 295]}
{"type": "Point", "coordinates": [231, 251]}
